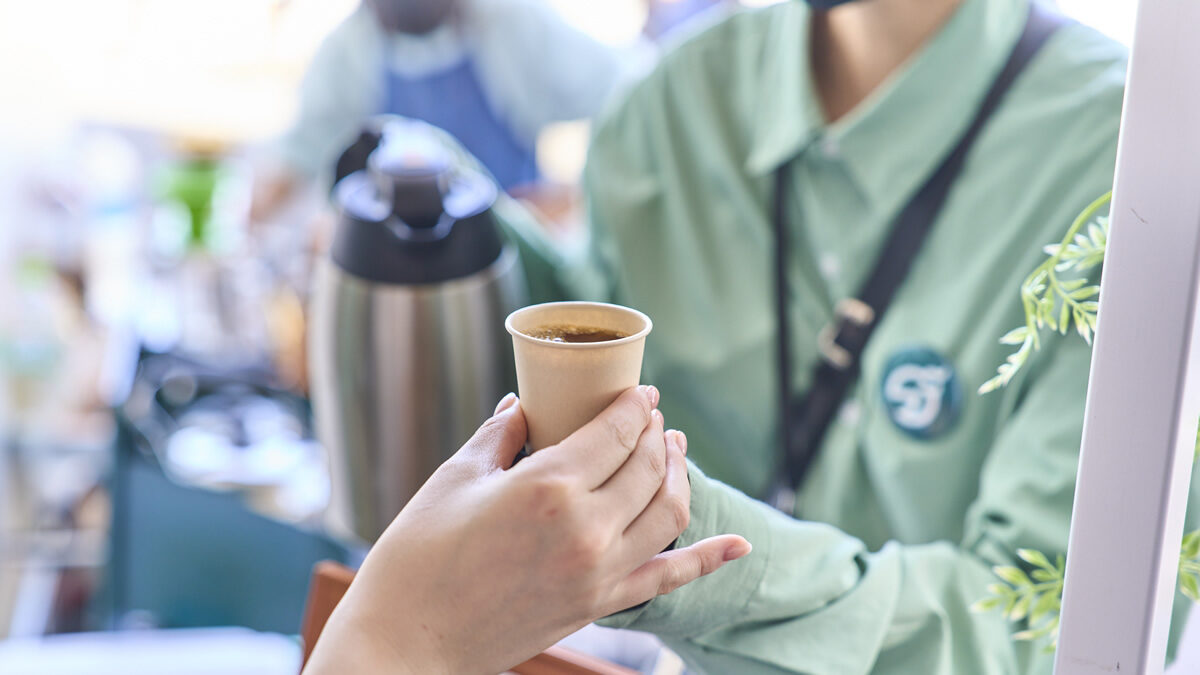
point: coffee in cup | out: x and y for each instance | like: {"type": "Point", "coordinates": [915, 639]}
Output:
{"type": "Point", "coordinates": [569, 333]}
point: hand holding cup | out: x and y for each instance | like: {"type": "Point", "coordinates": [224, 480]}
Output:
{"type": "Point", "coordinates": [488, 565]}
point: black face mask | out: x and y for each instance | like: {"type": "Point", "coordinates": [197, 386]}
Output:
{"type": "Point", "coordinates": [826, 4]}
{"type": "Point", "coordinates": [415, 17]}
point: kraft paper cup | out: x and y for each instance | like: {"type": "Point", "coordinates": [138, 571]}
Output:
{"type": "Point", "coordinates": [564, 385]}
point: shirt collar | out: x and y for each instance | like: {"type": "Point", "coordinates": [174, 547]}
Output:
{"type": "Point", "coordinates": [790, 114]}
{"type": "Point", "coordinates": [917, 114]}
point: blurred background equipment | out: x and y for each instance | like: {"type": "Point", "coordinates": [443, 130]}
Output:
{"type": "Point", "coordinates": [408, 352]}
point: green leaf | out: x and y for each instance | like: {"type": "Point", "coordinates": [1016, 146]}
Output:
{"type": "Point", "coordinates": [1039, 277]}
{"type": "Point", "coordinates": [1085, 293]}
{"type": "Point", "coordinates": [1083, 327]}
{"type": "Point", "coordinates": [1045, 630]}
{"type": "Point", "coordinates": [991, 385]}
{"type": "Point", "coordinates": [1044, 575]}
{"type": "Point", "coordinates": [1072, 285]}
{"type": "Point", "coordinates": [1020, 609]}
{"type": "Point", "coordinates": [1047, 603]}
{"type": "Point", "coordinates": [1088, 262]}
{"type": "Point", "coordinates": [1015, 336]}
{"type": "Point", "coordinates": [1048, 319]}
{"type": "Point", "coordinates": [1191, 540]}
{"type": "Point", "coordinates": [1187, 584]}
{"type": "Point", "coordinates": [1012, 575]}
{"type": "Point", "coordinates": [1062, 318]}
{"type": "Point", "coordinates": [999, 589]}
{"type": "Point", "coordinates": [1034, 557]}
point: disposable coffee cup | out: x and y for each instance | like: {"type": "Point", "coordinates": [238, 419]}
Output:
{"type": "Point", "coordinates": [564, 385]}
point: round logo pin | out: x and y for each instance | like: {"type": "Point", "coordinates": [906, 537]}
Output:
{"type": "Point", "coordinates": [921, 392]}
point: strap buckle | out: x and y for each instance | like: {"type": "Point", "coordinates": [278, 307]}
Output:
{"type": "Point", "coordinates": [849, 310]}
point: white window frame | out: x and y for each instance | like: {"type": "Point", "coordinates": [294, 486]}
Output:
{"type": "Point", "coordinates": [1144, 392]}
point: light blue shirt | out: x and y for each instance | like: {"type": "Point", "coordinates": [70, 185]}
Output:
{"type": "Point", "coordinates": [509, 41]}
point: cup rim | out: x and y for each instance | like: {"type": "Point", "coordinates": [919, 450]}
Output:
{"type": "Point", "coordinates": [641, 334]}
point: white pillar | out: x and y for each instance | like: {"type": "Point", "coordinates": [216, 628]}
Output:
{"type": "Point", "coordinates": [1144, 393]}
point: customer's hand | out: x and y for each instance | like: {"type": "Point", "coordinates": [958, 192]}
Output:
{"type": "Point", "coordinates": [488, 565]}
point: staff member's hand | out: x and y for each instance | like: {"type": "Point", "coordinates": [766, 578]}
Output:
{"type": "Point", "coordinates": [488, 565]}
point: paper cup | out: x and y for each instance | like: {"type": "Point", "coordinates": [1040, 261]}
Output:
{"type": "Point", "coordinates": [564, 385]}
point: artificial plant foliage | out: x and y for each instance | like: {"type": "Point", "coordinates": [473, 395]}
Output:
{"type": "Point", "coordinates": [1034, 597]}
{"type": "Point", "coordinates": [1054, 303]}
{"type": "Point", "coordinates": [1058, 296]}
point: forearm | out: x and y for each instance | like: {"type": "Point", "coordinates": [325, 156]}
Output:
{"type": "Point", "coordinates": [802, 601]}
{"type": "Point", "coordinates": [811, 599]}
{"type": "Point", "coordinates": [552, 272]}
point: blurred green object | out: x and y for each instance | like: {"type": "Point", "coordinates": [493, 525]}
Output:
{"type": "Point", "coordinates": [192, 182]}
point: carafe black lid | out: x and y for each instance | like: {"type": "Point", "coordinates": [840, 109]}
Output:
{"type": "Point", "coordinates": [408, 212]}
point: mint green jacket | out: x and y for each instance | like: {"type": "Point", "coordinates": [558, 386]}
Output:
{"type": "Point", "coordinates": [921, 485]}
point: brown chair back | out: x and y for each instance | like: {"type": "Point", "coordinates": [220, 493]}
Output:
{"type": "Point", "coordinates": [330, 581]}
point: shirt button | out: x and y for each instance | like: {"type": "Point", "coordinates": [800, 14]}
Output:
{"type": "Point", "coordinates": [850, 413]}
{"type": "Point", "coordinates": [830, 266]}
{"type": "Point", "coordinates": [829, 147]}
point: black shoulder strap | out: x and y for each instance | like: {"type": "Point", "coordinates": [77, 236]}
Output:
{"type": "Point", "coordinates": [841, 343]}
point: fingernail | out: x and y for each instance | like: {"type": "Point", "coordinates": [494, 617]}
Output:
{"type": "Point", "coordinates": [652, 393]}
{"type": "Point", "coordinates": [505, 403]}
{"type": "Point", "coordinates": [682, 439]}
{"type": "Point", "coordinates": [737, 550]}
{"type": "Point", "coordinates": [674, 439]}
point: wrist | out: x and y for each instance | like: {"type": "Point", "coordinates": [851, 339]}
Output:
{"type": "Point", "coordinates": [379, 640]}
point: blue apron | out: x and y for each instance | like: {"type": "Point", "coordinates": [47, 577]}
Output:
{"type": "Point", "coordinates": [453, 100]}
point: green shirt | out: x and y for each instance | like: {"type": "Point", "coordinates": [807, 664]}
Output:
{"type": "Point", "coordinates": [896, 529]}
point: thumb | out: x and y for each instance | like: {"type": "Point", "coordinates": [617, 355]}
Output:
{"type": "Point", "coordinates": [500, 438]}
{"type": "Point", "coordinates": [668, 571]}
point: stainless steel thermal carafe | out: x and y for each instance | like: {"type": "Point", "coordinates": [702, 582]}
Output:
{"type": "Point", "coordinates": [407, 348]}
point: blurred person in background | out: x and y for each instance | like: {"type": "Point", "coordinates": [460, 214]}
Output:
{"type": "Point", "coordinates": [492, 73]}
